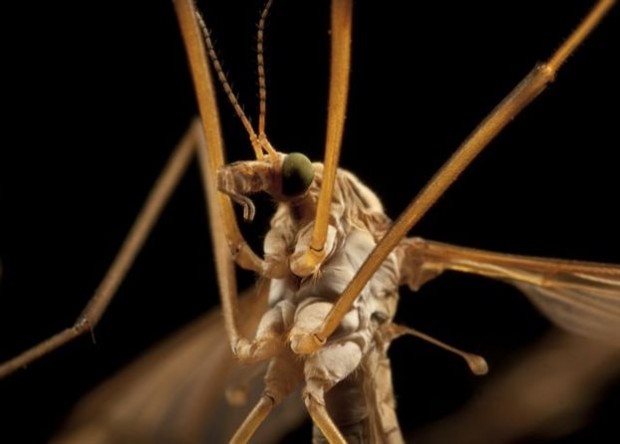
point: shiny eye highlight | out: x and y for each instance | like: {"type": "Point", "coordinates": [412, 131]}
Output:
{"type": "Point", "coordinates": [297, 174]}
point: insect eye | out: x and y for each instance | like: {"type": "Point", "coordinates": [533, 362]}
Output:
{"type": "Point", "coordinates": [297, 174]}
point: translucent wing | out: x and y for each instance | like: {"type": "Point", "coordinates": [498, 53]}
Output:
{"type": "Point", "coordinates": [581, 297]}
{"type": "Point", "coordinates": [548, 391]}
{"type": "Point", "coordinates": [178, 391]}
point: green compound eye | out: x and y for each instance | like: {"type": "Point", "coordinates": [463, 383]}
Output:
{"type": "Point", "coordinates": [297, 174]}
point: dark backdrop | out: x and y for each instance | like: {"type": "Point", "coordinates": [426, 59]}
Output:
{"type": "Point", "coordinates": [97, 94]}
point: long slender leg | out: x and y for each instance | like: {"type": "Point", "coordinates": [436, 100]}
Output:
{"type": "Point", "coordinates": [341, 25]}
{"type": "Point", "coordinates": [523, 94]}
{"type": "Point", "coordinates": [331, 364]}
{"type": "Point", "coordinates": [285, 372]}
{"type": "Point", "coordinates": [149, 214]}
{"type": "Point", "coordinates": [269, 340]}
{"type": "Point", "coordinates": [196, 51]}
{"type": "Point", "coordinates": [224, 229]}
{"type": "Point", "coordinates": [323, 370]}
{"type": "Point", "coordinates": [318, 412]}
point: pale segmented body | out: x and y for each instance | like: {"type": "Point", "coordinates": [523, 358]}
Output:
{"type": "Point", "coordinates": [349, 368]}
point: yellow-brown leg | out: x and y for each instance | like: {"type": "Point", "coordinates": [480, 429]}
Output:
{"type": "Point", "coordinates": [214, 157]}
{"type": "Point", "coordinates": [226, 235]}
{"type": "Point", "coordinates": [284, 374]}
{"type": "Point", "coordinates": [321, 419]}
{"type": "Point", "coordinates": [340, 63]}
{"type": "Point", "coordinates": [256, 417]}
{"type": "Point", "coordinates": [523, 94]}
{"type": "Point", "coordinates": [149, 214]}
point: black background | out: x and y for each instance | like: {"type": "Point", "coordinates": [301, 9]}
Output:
{"type": "Point", "coordinates": [97, 94]}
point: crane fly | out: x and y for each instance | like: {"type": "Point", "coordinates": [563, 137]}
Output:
{"type": "Point", "coordinates": [100, 333]}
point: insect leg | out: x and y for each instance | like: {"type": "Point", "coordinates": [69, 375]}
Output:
{"type": "Point", "coordinates": [266, 344]}
{"type": "Point", "coordinates": [323, 370]}
{"type": "Point", "coordinates": [341, 25]}
{"type": "Point", "coordinates": [521, 96]}
{"type": "Point", "coordinates": [123, 261]}
{"type": "Point", "coordinates": [214, 158]}
{"type": "Point", "coordinates": [284, 374]}
{"type": "Point", "coordinates": [331, 364]}
{"type": "Point", "coordinates": [226, 236]}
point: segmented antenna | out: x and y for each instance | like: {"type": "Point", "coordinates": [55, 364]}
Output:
{"type": "Point", "coordinates": [260, 58]}
{"type": "Point", "coordinates": [260, 145]}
